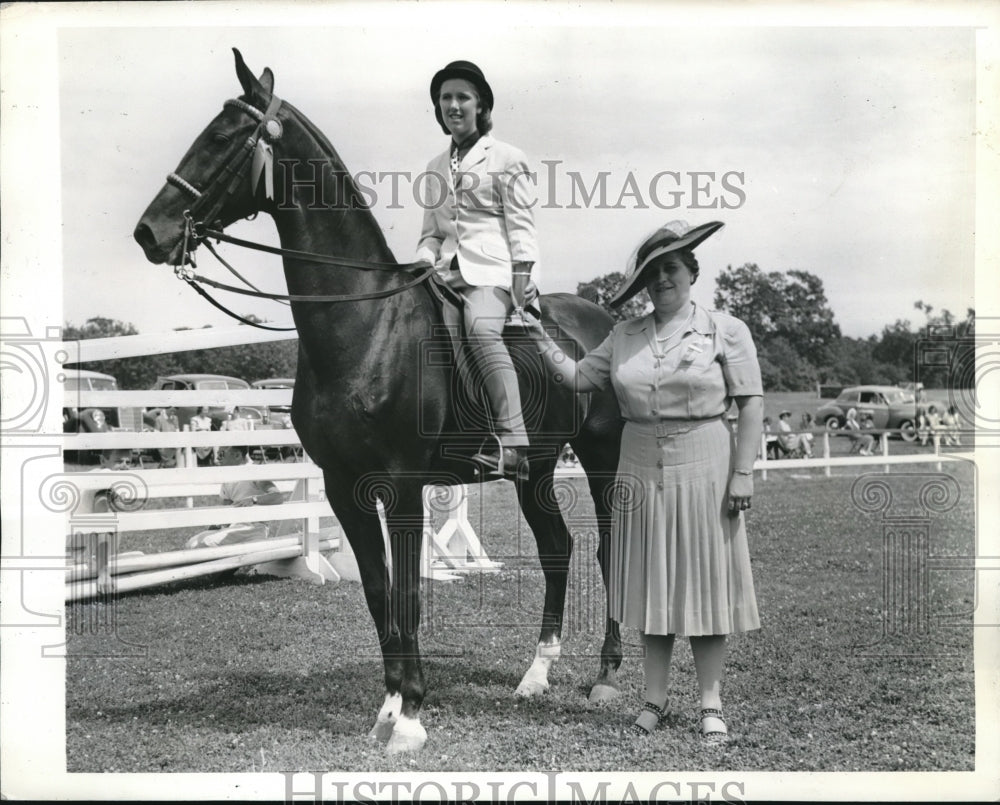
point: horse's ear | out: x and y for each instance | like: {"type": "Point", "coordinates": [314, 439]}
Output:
{"type": "Point", "coordinates": [267, 80]}
{"type": "Point", "coordinates": [262, 87]}
{"type": "Point", "coordinates": [247, 80]}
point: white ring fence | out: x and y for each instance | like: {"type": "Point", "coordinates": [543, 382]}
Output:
{"type": "Point", "coordinates": [313, 552]}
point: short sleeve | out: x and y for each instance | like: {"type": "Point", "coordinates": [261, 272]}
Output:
{"type": "Point", "coordinates": [596, 364]}
{"type": "Point", "coordinates": [739, 360]}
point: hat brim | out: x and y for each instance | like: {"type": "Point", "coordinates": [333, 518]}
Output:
{"type": "Point", "coordinates": [474, 78]}
{"type": "Point", "coordinates": [690, 239]}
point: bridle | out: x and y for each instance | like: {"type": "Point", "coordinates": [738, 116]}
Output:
{"type": "Point", "coordinates": [257, 152]}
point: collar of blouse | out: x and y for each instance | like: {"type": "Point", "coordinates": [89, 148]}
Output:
{"type": "Point", "coordinates": [701, 323]}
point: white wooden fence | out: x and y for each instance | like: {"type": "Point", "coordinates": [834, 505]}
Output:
{"type": "Point", "coordinates": [453, 547]}
{"type": "Point", "coordinates": [449, 549]}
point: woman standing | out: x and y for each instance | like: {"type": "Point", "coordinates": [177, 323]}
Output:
{"type": "Point", "coordinates": [680, 563]}
{"type": "Point", "coordinates": [479, 234]}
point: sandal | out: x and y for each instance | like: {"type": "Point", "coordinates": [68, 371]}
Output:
{"type": "Point", "coordinates": [713, 737]}
{"type": "Point", "coordinates": [648, 719]}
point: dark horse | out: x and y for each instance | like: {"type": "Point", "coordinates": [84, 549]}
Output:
{"type": "Point", "coordinates": [379, 417]}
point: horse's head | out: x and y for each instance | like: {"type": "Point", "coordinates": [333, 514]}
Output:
{"type": "Point", "coordinates": [222, 176]}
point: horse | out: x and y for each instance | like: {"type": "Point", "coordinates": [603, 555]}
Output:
{"type": "Point", "coordinates": [372, 409]}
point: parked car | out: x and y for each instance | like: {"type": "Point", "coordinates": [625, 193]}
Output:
{"type": "Point", "coordinates": [80, 419]}
{"type": "Point", "coordinates": [201, 382]}
{"type": "Point", "coordinates": [890, 407]}
{"type": "Point", "coordinates": [277, 416]}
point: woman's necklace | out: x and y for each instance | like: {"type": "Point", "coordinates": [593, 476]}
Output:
{"type": "Point", "coordinates": [674, 332]}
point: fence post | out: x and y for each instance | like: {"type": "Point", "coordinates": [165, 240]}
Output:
{"type": "Point", "coordinates": [884, 440]}
{"type": "Point", "coordinates": [826, 452]}
{"type": "Point", "coordinates": [763, 456]}
{"type": "Point", "coordinates": [186, 456]}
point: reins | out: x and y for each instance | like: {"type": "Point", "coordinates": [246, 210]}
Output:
{"type": "Point", "coordinates": [257, 153]}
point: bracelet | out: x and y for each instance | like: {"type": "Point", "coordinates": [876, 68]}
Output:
{"type": "Point", "coordinates": [254, 500]}
{"type": "Point", "coordinates": [742, 472]}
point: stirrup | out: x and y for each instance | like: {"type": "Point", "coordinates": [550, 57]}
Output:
{"type": "Point", "coordinates": [485, 461]}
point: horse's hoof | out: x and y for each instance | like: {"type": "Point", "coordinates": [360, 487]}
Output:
{"type": "Point", "coordinates": [603, 693]}
{"type": "Point", "coordinates": [387, 716]}
{"type": "Point", "coordinates": [382, 731]}
{"type": "Point", "coordinates": [408, 736]}
{"type": "Point", "coordinates": [531, 687]}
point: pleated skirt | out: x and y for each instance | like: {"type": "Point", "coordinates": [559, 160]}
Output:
{"type": "Point", "coordinates": [680, 564]}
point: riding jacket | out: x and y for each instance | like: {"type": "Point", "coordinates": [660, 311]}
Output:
{"type": "Point", "coordinates": [484, 215]}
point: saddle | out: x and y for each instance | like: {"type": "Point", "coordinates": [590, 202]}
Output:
{"type": "Point", "coordinates": [451, 333]}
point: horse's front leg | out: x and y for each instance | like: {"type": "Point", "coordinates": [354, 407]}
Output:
{"type": "Point", "coordinates": [555, 546]}
{"type": "Point", "coordinates": [405, 524]}
{"type": "Point", "coordinates": [360, 521]}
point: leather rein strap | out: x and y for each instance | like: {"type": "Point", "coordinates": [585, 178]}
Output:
{"type": "Point", "coordinates": [195, 233]}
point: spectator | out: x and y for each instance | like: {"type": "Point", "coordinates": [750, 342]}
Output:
{"type": "Point", "coordinates": [949, 426]}
{"type": "Point", "coordinates": [770, 440]}
{"type": "Point", "coordinates": [203, 422]}
{"type": "Point", "coordinates": [806, 437]}
{"type": "Point", "coordinates": [166, 422]}
{"type": "Point", "coordinates": [929, 424]}
{"type": "Point", "coordinates": [863, 441]}
{"type": "Point", "coordinates": [245, 493]}
{"type": "Point", "coordinates": [239, 493]}
{"type": "Point", "coordinates": [789, 442]}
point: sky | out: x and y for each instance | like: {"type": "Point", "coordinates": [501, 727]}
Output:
{"type": "Point", "coordinates": [851, 149]}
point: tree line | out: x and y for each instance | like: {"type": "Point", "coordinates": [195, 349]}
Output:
{"type": "Point", "coordinates": [247, 361]}
{"type": "Point", "coordinates": [799, 343]}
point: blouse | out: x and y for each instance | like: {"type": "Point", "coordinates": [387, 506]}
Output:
{"type": "Point", "coordinates": [695, 378]}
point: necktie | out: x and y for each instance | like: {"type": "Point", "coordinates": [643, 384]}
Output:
{"type": "Point", "coordinates": [454, 167]}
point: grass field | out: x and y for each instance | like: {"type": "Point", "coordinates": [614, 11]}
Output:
{"type": "Point", "coordinates": [258, 674]}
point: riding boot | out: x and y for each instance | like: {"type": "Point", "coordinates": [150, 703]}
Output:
{"type": "Point", "coordinates": [504, 398]}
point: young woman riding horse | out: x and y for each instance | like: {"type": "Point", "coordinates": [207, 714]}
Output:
{"type": "Point", "coordinates": [479, 234]}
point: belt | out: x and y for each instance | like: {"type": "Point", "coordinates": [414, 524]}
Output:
{"type": "Point", "coordinates": [673, 427]}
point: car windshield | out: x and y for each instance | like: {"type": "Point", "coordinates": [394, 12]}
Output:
{"type": "Point", "coordinates": [100, 384]}
{"type": "Point", "coordinates": [211, 384]}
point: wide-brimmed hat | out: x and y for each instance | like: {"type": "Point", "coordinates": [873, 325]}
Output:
{"type": "Point", "coordinates": [671, 237]}
{"type": "Point", "coordinates": [465, 70]}
{"type": "Point", "coordinates": [784, 414]}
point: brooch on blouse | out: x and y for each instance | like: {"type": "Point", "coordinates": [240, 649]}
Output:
{"type": "Point", "coordinates": [691, 352]}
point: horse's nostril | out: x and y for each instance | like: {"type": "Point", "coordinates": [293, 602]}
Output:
{"type": "Point", "coordinates": [144, 236]}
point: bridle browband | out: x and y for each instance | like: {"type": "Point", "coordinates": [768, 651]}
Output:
{"type": "Point", "coordinates": [208, 203]}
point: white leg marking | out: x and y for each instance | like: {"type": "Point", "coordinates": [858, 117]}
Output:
{"type": "Point", "coordinates": [387, 717]}
{"type": "Point", "coordinates": [408, 736]}
{"type": "Point", "coordinates": [536, 678]}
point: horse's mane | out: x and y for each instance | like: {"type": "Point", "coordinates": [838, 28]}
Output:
{"type": "Point", "coordinates": [356, 201]}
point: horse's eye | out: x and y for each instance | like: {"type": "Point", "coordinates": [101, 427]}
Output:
{"type": "Point", "coordinates": [220, 137]}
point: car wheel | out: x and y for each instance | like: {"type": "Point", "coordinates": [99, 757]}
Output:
{"type": "Point", "coordinates": [907, 431]}
{"type": "Point", "coordinates": [832, 423]}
